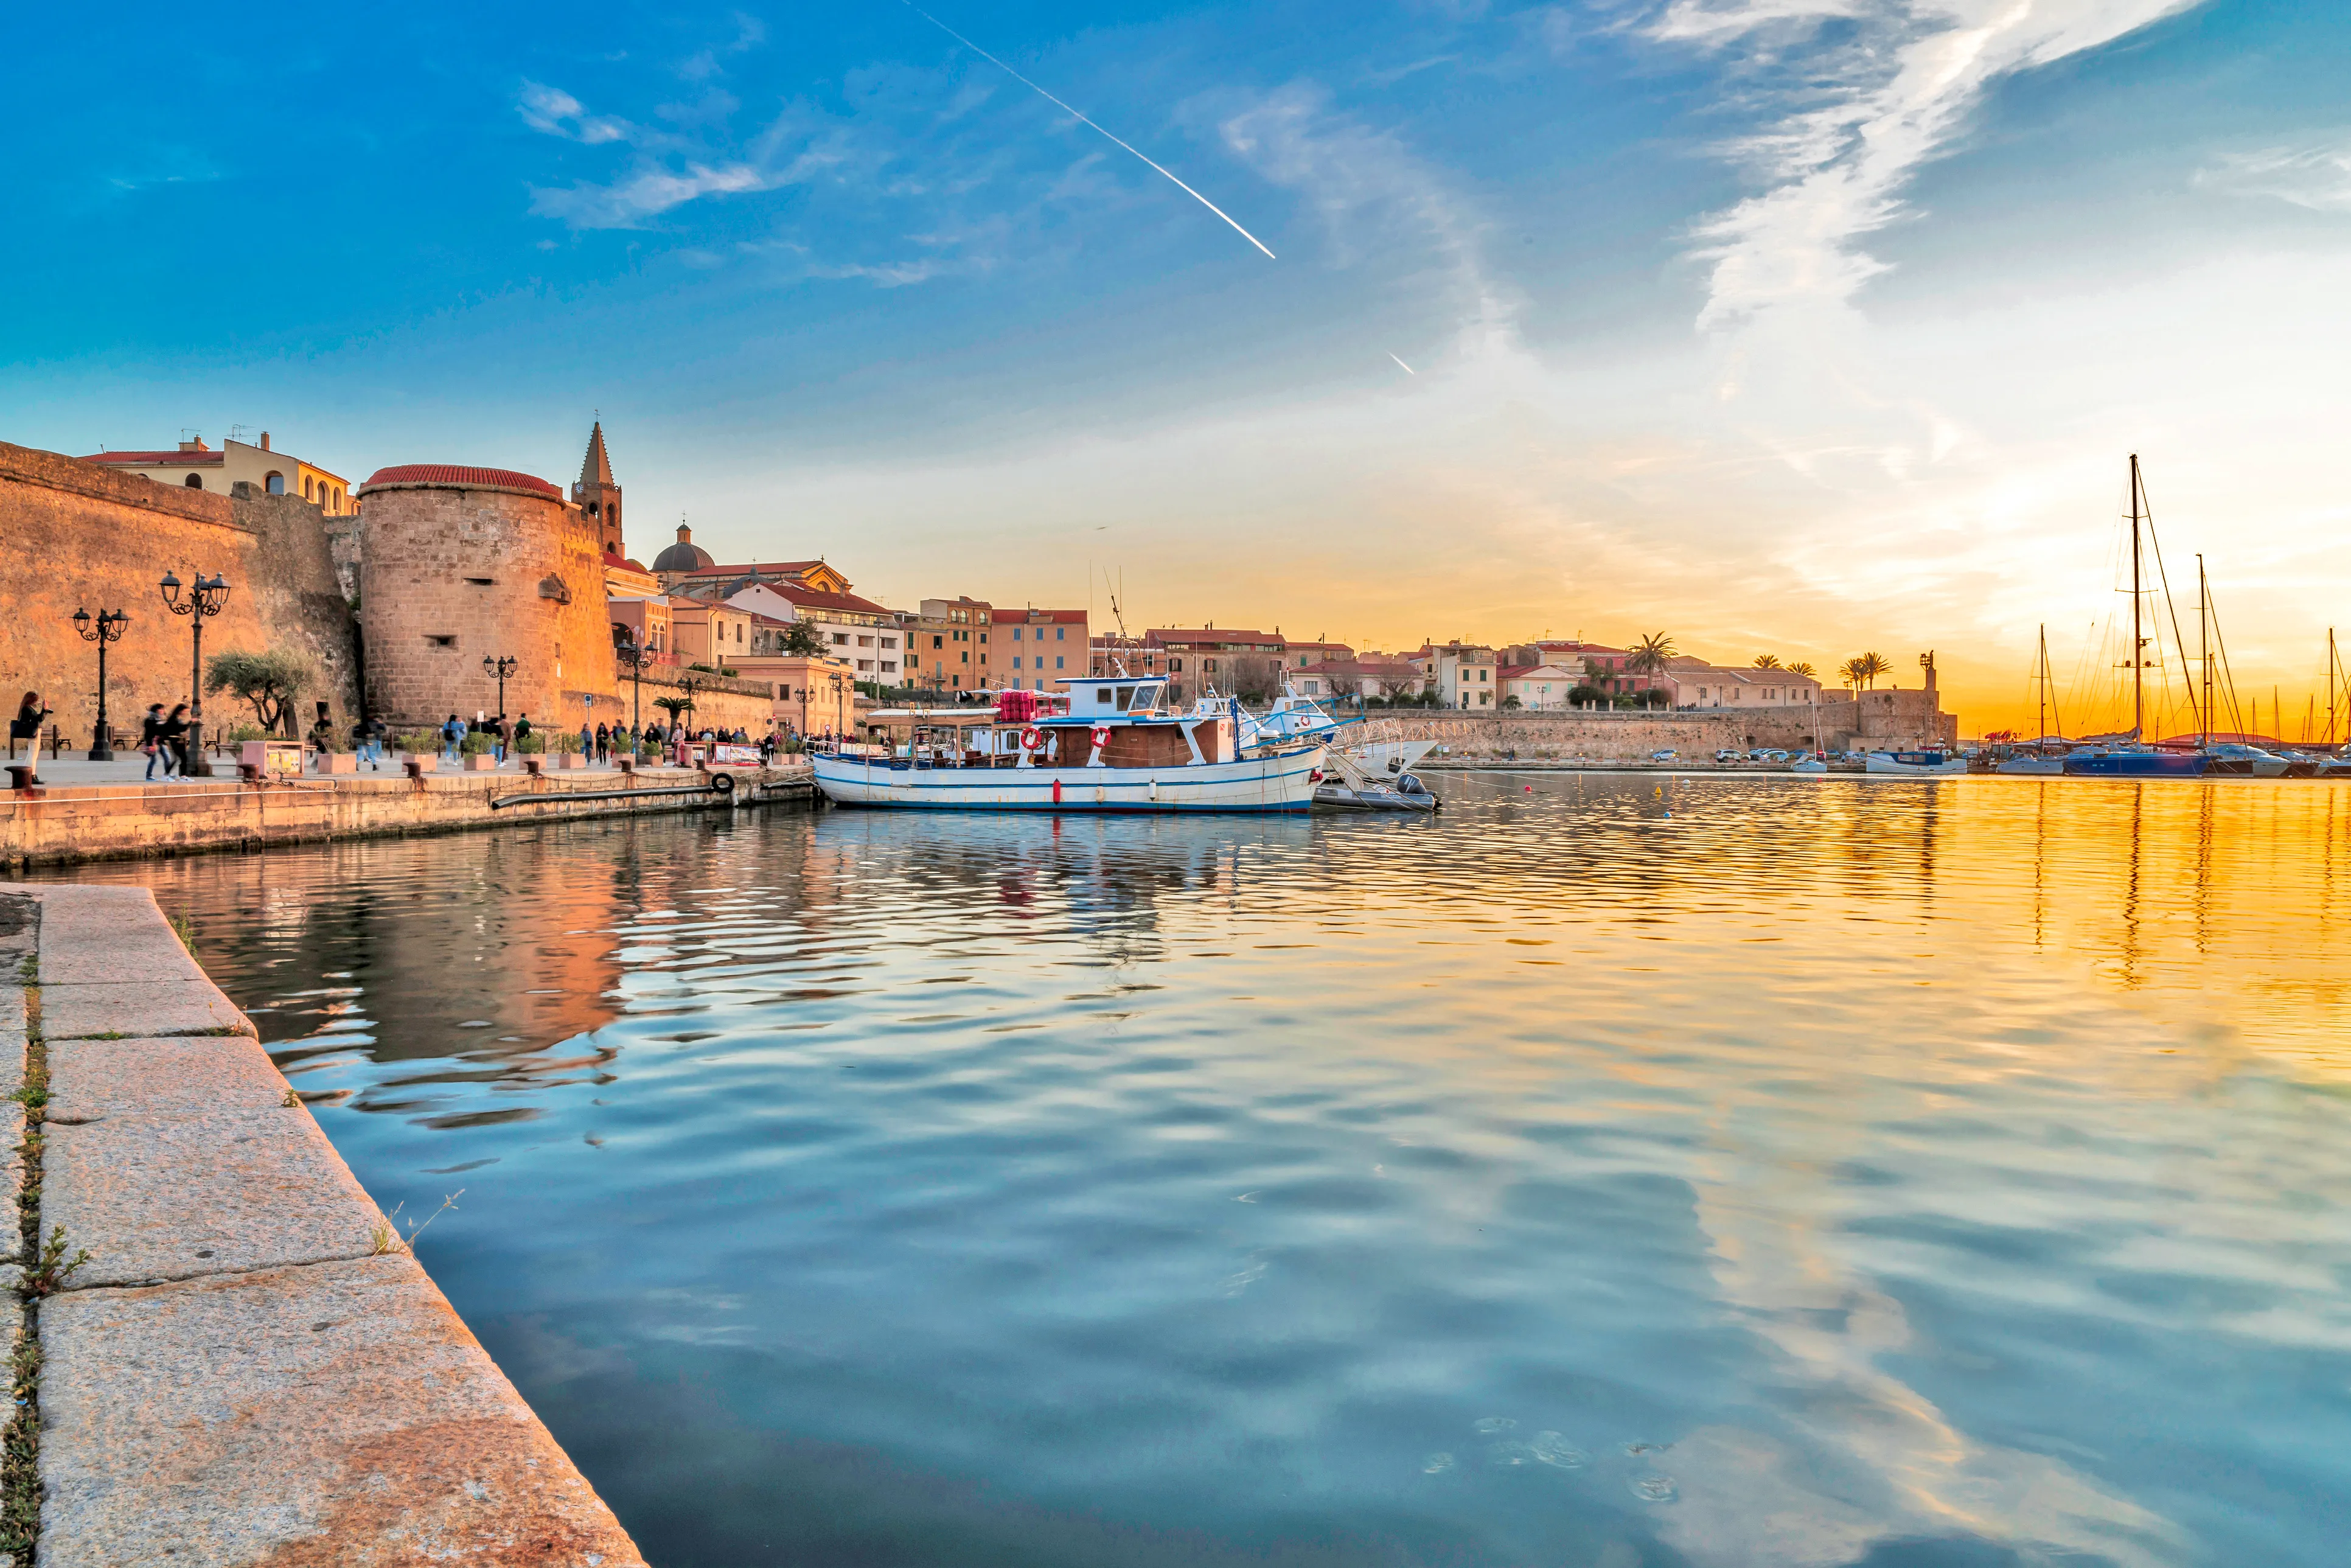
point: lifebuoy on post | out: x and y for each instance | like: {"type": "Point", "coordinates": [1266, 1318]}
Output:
{"type": "Point", "coordinates": [1102, 736]}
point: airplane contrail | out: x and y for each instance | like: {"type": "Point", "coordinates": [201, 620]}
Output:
{"type": "Point", "coordinates": [1048, 98]}
{"type": "Point", "coordinates": [1406, 369]}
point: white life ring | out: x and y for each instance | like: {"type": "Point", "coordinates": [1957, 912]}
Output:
{"type": "Point", "coordinates": [1102, 736]}
{"type": "Point", "coordinates": [1032, 739]}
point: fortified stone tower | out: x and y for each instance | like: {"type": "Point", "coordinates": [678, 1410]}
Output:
{"type": "Point", "coordinates": [598, 498]}
{"type": "Point", "coordinates": [466, 563]}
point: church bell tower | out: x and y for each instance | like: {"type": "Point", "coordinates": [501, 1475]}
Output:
{"type": "Point", "coordinates": [598, 498]}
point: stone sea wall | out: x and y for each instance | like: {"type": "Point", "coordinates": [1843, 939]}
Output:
{"type": "Point", "coordinates": [57, 826]}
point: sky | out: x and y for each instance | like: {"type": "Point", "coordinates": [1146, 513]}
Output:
{"type": "Point", "coordinates": [1806, 327]}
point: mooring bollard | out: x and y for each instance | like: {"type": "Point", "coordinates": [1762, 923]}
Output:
{"type": "Point", "coordinates": [21, 775]}
{"type": "Point", "coordinates": [530, 766]}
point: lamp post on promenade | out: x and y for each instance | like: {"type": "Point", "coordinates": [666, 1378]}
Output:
{"type": "Point", "coordinates": [107, 628]}
{"type": "Point", "coordinates": [500, 667]}
{"type": "Point", "coordinates": [633, 659]}
{"type": "Point", "coordinates": [689, 685]}
{"type": "Point", "coordinates": [205, 597]}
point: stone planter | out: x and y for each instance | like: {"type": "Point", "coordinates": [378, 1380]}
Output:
{"type": "Point", "coordinates": [338, 762]}
{"type": "Point", "coordinates": [571, 759]}
{"type": "Point", "coordinates": [481, 762]}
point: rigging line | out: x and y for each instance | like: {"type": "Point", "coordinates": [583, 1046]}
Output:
{"type": "Point", "coordinates": [2169, 608]}
{"type": "Point", "coordinates": [1048, 98]}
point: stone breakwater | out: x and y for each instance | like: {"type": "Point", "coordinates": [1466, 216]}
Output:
{"type": "Point", "coordinates": [249, 1368]}
{"type": "Point", "coordinates": [112, 821]}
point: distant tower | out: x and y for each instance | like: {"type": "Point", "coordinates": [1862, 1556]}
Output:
{"type": "Point", "coordinates": [598, 498]}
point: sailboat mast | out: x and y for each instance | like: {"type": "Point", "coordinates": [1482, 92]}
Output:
{"type": "Point", "coordinates": [2139, 642]}
{"type": "Point", "coordinates": [2204, 656]}
{"type": "Point", "coordinates": [2330, 685]}
{"type": "Point", "coordinates": [2041, 734]}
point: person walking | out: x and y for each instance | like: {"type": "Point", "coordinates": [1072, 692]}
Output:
{"type": "Point", "coordinates": [603, 745]}
{"type": "Point", "coordinates": [453, 737]}
{"type": "Point", "coordinates": [522, 728]}
{"type": "Point", "coordinates": [151, 730]}
{"type": "Point", "coordinates": [171, 736]}
{"type": "Point", "coordinates": [587, 740]}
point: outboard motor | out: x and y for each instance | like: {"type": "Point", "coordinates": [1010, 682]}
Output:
{"type": "Point", "coordinates": [1410, 784]}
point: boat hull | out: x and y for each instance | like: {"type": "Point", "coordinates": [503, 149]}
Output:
{"type": "Point", "coordinates": [1283, 782]}
{"type": "Point", "coordinates": [2136, 765]}
{"type": "Point", "coordinates": [2032, 766]}
{"type": "Point", "coordinates": [1881, 764]}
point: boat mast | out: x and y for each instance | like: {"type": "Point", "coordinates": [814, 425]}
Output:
{"type": "Point", "coordinates": [2041, 735]}
{"type": "Point", "coordinates": [2330, 685]}
{"type": "Point", "coordinates": [2204, 653]}
{"type": "Point", "coordinates": [2139, 642]}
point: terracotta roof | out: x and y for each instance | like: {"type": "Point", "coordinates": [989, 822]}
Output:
{"type": "Point", "coordinates": [1168, 634]}
{"type": "Point", "coordinates": [810, 598]}
{"type": "Point", "coordinates": [455, 476]}
{"type": "Point", "coordinates": [1040, 617]}
{"type": "Point", "coordinates": [159, 459]}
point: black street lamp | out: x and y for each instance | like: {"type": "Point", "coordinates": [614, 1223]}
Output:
{"type": "Point", "coordinates": [107, 628]}
{"type": "Point", "coordinates": [205, 597]}
{"type": "Point", "coordinates": [501, 667]}
{"type": "Point", "coordinates": [633, 659]}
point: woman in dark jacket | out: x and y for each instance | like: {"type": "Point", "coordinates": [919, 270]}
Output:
{"type": "Point", "coordinates": [172, 734]}
{"type": "Point", "coordinates": [27, 725]}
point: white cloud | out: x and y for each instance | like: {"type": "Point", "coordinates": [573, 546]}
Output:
{"type": "Point", "coordinates": [557, 113]}
{"type": "Point", "coordinates": [2318, 178]}
{"type": "Point", "coordinates": [1893, 93]}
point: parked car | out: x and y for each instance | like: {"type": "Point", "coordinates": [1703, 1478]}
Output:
{"type": "Point", "coordinates": [1775, 754]}
{"type": "Point", "coordinates": [1661, 756]}
{"type": "Point", "coordinates": [1726, 755]}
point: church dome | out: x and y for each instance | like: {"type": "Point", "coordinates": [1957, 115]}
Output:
{"type": "Point", "coordinates": [684, 555]}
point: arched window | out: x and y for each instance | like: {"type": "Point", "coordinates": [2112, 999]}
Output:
{"type": "Point", "coordinates": [195, 481]}
{"type": "Point", "coordinates": [276, 482]}
{"type": "Point", "coordinates": [305, 486]}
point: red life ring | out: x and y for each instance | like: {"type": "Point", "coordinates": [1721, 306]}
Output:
{"type": "Point", "coordinates": [1032, 739]}
{"type": "Point", "coordinates": [1102, 736]}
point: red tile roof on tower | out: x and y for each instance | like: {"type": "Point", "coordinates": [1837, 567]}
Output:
{"type": "Point", "coordinates": [453, 476]}
{"type": "Point", "coordinates": [159, 459]}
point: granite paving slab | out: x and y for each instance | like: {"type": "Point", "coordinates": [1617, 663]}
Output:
{"type": "Point", "coordinates": [339, 1414]}
{"type": "Point", "coordinates": [107, 934]}
{"type": "Point", "coordinates": [12, 1185]}
{"type": "Point", "coordinates": [90, 1080]}
{"type": "Point", "coordinates": [175, 1196]}
{"type": "Point", "coordinates": [137, 1009]}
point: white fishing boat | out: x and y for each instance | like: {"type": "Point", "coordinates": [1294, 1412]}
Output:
{"type": "Point", "coordinates": [1809, 766]}
{"type": "Point", "coordinates": [1916, 764]}
{"type": "Point", "coordinates": [1348, 785]}
{"type": "Point", "coordinates": [1116, 751]}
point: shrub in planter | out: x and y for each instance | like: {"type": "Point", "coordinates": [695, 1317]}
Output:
{"type": "Point", "coordinates": [477, 744]}
{"type": "Point", "coordinates": [531, 744]}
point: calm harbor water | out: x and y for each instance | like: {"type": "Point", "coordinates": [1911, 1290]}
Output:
{"type": "Point", "coordinates": [1616, 1171]}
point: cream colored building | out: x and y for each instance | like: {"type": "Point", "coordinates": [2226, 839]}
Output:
{"type": "Point", "coordinates": [1538, 687]}
{"type": "Point", "coordinates": [196, 466]}
{"type": "Point", "coordinates": [704, 632]}
{"type": "Point", "coordinates": [1463, 675]}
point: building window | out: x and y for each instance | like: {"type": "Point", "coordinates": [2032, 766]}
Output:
{"type": "Point", "coordinates": [440, 642]}
{"type": "Point", "coordinates": [938, 642]}
{"type": "Point", "coordinates": [1015, 633]}
{"type": "Point", "coordinates": [1057, 633]}
{"type": "Point", "coordinates": [1057, 661]}
{"type": "Point", "coordinates": [274, 484]}
{"type": "Point", "coordinates": [841, 639]}
{"type": "Point", "coordinates": [195, 481]}
{"type": "Point", "coordinates": [1016, 660]}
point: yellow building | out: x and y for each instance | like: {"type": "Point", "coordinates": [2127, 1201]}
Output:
{"type": "Point", "coordinates": [198, 467]}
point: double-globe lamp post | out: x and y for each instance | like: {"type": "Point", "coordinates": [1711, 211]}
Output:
{"type": "Point", "coordinates": [107, 628]}
{"type": "Point", "coordinates": [205, 597]}
{"type": "Point", "coordinates": [500, 667]}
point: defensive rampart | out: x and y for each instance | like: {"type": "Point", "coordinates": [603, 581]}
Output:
{"type": "Point", "coordinates": [81, 537]}
{"type": "Point", "coordinates": [1631, 735]}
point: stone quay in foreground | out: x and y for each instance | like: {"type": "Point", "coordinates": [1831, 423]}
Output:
{"type": "Point", "coordinates": [249, 1368]}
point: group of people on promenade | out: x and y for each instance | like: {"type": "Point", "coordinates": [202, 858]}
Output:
{"type": "Point", "coordinates": [168, 737]}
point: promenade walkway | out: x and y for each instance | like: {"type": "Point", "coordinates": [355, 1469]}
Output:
{"type": "Point", "coordinates": [249, 1368]}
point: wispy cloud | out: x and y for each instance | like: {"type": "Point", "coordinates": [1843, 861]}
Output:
{"type": "Point", "coordinates": [1885, 90]}
{"type": "Point", "coordinates": [2316, 177]}
{"type": "Point", "coordinates": [555, 113]}
{"type": "Point", "coordinates": [671, 168]}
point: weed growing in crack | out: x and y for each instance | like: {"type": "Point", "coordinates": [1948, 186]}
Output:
{"type": "Point", "coordinates": [53, 1267]}
{"type": "Point", "coordinates": [386, 1237]}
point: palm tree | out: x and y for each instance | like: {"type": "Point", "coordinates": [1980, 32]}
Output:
{"type": "Point", "coordinates": [1648, 656]}
{"type": "Point", "coordinates": [1863, 669]}
{"type": "Point", "coordinates": [1768, 662]}
{"type": "Point", "coordinates": [1802, 667]}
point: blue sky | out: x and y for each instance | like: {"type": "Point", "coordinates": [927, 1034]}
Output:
{"type": "Point", "coordinates": [1807, 325]}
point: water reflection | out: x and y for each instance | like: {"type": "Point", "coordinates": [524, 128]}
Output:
{"type": "Point", "coordinates": [1613, 1171]}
